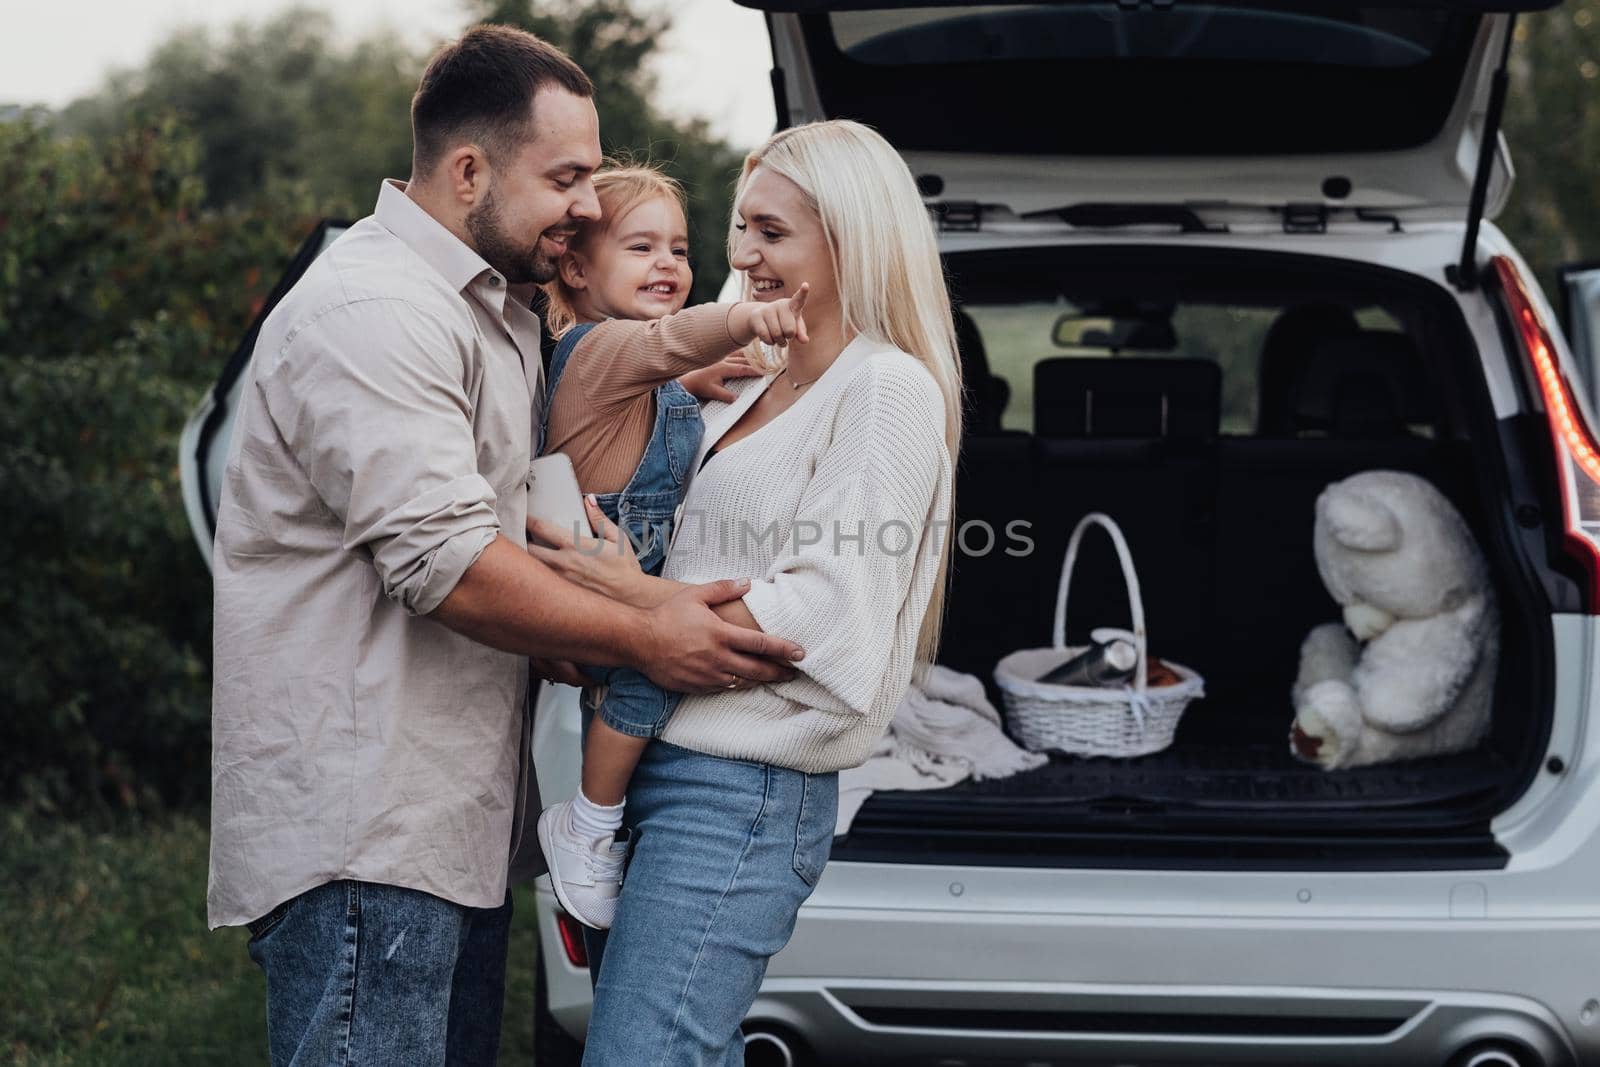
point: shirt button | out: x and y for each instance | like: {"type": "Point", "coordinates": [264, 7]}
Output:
{"type": "Point", "coordinates": [494, 280]}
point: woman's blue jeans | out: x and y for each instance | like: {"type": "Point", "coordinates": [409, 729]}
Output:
{"type": "Point", "coordinates": [725, 852]}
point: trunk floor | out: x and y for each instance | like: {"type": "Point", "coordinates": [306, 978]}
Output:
{"type": "Point", "coordinates": [1206, 777]}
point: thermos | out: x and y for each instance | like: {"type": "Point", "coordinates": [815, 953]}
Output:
{"type": "Point", "coordinates": [1103, 664]}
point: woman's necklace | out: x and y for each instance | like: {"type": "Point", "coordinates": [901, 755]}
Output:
{"type": "Point", "coordinates": [796, 386]}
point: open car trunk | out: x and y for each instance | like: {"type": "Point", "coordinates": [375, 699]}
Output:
{"type": "Point", "coordinates": [1279, 375]}
{"type": "Point", "coordinates": [1239, 105]}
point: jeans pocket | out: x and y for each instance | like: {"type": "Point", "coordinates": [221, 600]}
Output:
{"type": "Point", "coordinates": [263, 926]}
{"type": "Point", "coordinates": [813, 837]}
{"type": "Point", "coordinates": [684, 427]}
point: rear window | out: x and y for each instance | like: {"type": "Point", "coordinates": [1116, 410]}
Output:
{"type": "Point", "coordinates": [1100, 79]}
{"type": "Point", "coordinates": [1232, 335]}
{"type": "Point", "coordinates": [1295, 351]}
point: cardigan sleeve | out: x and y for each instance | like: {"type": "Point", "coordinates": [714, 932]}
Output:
{"type": "Point", "coordinates": [841, 576]}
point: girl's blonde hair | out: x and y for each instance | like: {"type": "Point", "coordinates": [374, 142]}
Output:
{"type": "Point", "coordinates": [620, 187]}
{"type": "Point", "coordinates": [886, 259]}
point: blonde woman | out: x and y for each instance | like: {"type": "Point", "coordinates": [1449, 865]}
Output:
{"type": "Point", "coordinates": [828, 482]}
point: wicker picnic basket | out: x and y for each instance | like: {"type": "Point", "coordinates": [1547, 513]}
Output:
{"type": "Point", "coordinates": [1134, 720]}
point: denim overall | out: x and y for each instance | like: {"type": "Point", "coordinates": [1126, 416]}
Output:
{"type": "Point", "coordinates": [644, 510]}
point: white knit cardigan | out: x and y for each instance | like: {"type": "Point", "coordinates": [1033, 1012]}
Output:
{"type": "Point", "coordinates": [837, 511]}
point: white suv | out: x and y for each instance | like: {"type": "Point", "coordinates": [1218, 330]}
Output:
{"type": "Point", "coordinates": [1208, 258]}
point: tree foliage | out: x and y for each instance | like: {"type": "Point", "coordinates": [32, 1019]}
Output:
{"type": "Point", "coordinates": [119, 290]}
{"type": "Point", "coordinates": [274, 104]}
{"type": "Point", "coordinates": [1553, 128]}
{"type": "Point", "coordinates": [282, 104]}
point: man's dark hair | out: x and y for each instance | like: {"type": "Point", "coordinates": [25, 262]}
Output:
{"type": "Point", "coordinates": [480, 90]}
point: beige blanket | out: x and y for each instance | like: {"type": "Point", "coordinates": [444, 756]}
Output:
{"type": "Point", "coordinates": [944, 731]}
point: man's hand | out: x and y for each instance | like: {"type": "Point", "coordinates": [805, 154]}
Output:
{"type": "Point", "coordinates": [691, 650]}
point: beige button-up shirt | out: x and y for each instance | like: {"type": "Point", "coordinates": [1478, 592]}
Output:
{"type": "Point", "coordinates": [383, 441]}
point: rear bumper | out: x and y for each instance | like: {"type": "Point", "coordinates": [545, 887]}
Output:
{"type": "Point", "coordinates": [956, 987]}
{"type": "Point", "coordinates": [959, 1023]}
{"type": "Point", "coordinates": [878, 985]}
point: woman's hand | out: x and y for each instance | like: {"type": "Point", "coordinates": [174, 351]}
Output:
{"type": "Point", "coordinates": [705, 384]}
{"type": "Point", "coordinates": [604, 563]}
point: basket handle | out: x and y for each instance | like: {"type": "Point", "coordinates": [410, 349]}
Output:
{"type": "Point", "coordinates": [1141, 672]}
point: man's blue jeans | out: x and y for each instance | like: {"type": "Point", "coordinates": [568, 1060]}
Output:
{"type": "Point", "coordinates": [359, 973]}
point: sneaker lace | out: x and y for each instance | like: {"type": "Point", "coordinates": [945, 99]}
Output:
{"type": "Point", "coordinates": [599, 861]}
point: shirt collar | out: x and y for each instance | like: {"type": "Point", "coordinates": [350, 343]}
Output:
{"type": "Point", "coordinates": [442, 250]}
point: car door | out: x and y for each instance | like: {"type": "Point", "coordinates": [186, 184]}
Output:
{"type": "Point", "coordinates": [203, 445]}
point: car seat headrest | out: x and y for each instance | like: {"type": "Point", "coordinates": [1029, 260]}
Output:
{"type": "Point", "coordinates": [1288, 344]}
{"type": "Point", "coordinates": [1372, 384]}
{"type": "Point", "coordinates": [1126, 397]}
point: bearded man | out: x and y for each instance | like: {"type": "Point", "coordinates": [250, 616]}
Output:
{"type": "Point", "coordinates": [376, 608]}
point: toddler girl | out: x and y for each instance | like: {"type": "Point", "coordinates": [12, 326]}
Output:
{"type": "Point", "coordinates": [624, 376]}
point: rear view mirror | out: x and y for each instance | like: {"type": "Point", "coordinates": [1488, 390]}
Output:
{"type": "Point", "coordinates": [1117, 333]}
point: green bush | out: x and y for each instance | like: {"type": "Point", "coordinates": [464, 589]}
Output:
{"type": "Point", "coordinates": [120, 296]}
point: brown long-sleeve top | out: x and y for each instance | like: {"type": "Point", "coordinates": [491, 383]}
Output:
{"type": "Point", "coordinates": [604, 406]}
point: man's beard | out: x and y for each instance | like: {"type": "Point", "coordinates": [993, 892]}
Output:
{"type": "Point", "coordinates": [519, 264]}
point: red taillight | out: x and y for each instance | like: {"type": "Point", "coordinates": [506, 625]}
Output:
{"type": "Point", "coordinates": [572, 939]}
{"type": "Point", "coordinates": [1577, 456]}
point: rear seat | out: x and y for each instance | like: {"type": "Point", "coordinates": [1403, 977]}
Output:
{"type": "Point", "coordinates": [1136, 439]}
{"type": "Point", "coordinates": [1220, 528]}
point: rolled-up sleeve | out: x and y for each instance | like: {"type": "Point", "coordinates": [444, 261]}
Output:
{"type": "Point", "coordinates": [371, 399]}
{"type": "Point", "coordinates": [841, 577]}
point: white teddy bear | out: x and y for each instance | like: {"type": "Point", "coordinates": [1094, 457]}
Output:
{"type": "Point", "coordinates": [1416, 594]}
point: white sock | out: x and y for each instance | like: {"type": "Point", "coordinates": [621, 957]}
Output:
{"type": "Point", "coordinates": [591, 820]}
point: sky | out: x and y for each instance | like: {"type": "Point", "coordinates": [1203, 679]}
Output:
{"type": "Point", "coordinates": [713, 64]}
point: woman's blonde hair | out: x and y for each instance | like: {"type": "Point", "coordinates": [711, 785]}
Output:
{"type": "Point", "coordinates": [620, 186]}
{"type": "Point", "coordinates": [886, 259]}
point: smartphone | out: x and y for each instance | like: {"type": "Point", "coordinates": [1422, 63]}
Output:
{"type": "Point", "coordinates": [553, 494]}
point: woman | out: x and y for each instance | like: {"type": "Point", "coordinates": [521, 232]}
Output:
{"type": "Point", "coordinates": [828, 483]}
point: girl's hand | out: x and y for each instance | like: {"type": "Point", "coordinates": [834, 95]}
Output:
{"type": "Point", "coordinates": [705, 384]}
{"type": "Point", "coordinates": [776, 323]}
{"type": "Point", "coordinates": [604, 563]}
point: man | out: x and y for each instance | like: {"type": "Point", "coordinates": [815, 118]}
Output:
{"type": "Point", "coordinates": [375, 604]}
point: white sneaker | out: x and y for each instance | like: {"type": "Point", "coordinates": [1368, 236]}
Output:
{"type": "Point", "coordinates": [585, 874]}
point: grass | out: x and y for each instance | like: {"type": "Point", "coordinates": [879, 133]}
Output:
{"type": "Point", "coordinates": [107, 960]}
